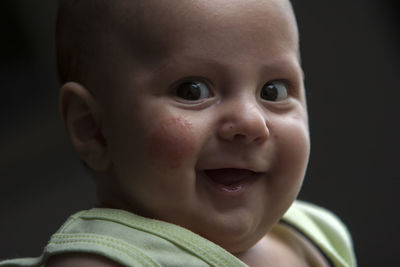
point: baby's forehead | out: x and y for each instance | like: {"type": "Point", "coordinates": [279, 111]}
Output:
{"type": "Point", "coordinates": [145, 17]}
{"type": "Point", "coordinates": [142, 12]}
{"type": "Point", "coordinates": [92, 30]}
{"type": "Point", "coordinates": [150, 23]}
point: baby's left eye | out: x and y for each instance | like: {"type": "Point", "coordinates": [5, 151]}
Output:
{"type": "Point", "coordinates": [193, 91]}
{"type": "Point", "coordinates": [274, 91]}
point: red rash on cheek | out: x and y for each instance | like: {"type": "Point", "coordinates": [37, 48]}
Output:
{"type": "Point", "coordinates": [171, 141]}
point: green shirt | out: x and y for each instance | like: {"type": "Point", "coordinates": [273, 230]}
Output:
{"type": "Point", "coordinates": [133, 240]}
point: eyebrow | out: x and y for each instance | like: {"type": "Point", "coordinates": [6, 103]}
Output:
{"type": "Point", "coordinates": [283, 64]}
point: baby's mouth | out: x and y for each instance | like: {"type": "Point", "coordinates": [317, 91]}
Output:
{"type": "Point", "coordinates": [229, 177]}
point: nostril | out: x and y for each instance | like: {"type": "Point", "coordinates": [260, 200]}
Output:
{"type": "Point", "coordinates": [242, 138]}
{"type": "Point", "coordinates": [261, 139]}
{"type": "Point", "coordinates": [239, 137]}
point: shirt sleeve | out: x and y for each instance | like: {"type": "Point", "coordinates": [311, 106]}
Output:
{"type": "Point", "coordinates": [325, 230]}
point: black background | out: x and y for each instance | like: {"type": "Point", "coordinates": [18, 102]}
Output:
{"type": "Point", "coordinates": [351, 60]}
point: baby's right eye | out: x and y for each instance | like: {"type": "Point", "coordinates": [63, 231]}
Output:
{"type": "Point", "coordinates": [193, 91]}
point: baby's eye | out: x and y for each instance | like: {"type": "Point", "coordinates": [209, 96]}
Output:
{"type": "Point", "coordinates": [193, 91]}
{"type": "Point", "coordinates": [274, 91]}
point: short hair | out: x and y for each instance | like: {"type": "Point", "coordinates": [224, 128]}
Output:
{"type": "Point", "coordinates": [69, 60]}
{"type": "Point", "coordinates": [78, 29]}
{"type": "Point", "coordinates": [84, 31]}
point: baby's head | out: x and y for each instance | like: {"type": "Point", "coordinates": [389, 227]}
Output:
{"type": "Point", "coordinates": [192, 112]}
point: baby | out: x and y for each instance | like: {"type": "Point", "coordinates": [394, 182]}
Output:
{"type": "Point", "coordinates": [191, 117]}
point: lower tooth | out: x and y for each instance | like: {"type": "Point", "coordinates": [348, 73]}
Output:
{"type": "Point", "coordinates": [233, 187]}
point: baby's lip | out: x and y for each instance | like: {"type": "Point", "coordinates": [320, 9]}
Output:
{"type": "Point", "coordinates": [229, 176]}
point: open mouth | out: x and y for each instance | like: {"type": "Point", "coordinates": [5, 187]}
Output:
{"type": "Point", "coordinates": [230, 179]}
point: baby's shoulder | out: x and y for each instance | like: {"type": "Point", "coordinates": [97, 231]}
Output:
{"type": "Point", "coordinates": [284, 246]}
{"type": "Point", "coordinates": [324, 230]}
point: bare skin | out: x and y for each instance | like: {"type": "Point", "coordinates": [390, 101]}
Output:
{"type": "Point", "coordinates": [81, 260]}
{"type": "Point", "coordinates": [150, 147]}
{"type": "Point", "coordinates": [282, 247]}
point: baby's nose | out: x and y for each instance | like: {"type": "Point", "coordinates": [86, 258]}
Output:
{"type": "Point", "coordinates": [244, 123]}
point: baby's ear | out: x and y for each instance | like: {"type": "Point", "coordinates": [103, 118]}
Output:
{"type": "Point", "coordinates": [82, 118]}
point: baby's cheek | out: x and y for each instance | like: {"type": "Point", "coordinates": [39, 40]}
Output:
{"type": "Point", "coordinates": [293, 142]}
{"type": "Point", "coordinates": [172, 141]}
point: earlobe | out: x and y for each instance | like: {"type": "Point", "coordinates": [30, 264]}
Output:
{"type": "Point", "coordinates": [82, 118]}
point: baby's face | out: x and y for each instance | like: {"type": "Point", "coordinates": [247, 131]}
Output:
{"type": "Point", "coordinates": [209, 131]}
